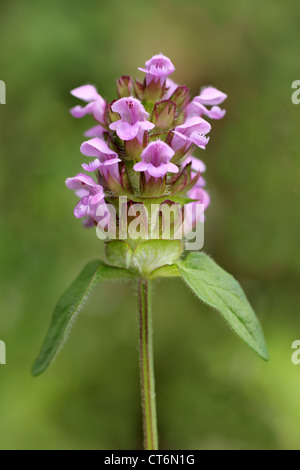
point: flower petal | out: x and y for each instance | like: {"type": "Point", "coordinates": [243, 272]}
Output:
{"type": "Point", "coordinates": [79, 180]}
{"type": "Point", "coordinates": [126, 131]}
{"type": "Point", "coordinates": [81, 209]}
{"type": "Point", "coordinates": [216, 113]}
{"type": "Point", "coordinates": [95, 148]}
{"type": "Point", "coordinates": [141, 166]}
{"type": "Point", "coordinates": [96, 131]}
{"type": "Point", "coordinates": [172, 168]}
{"type": "Point", "coordinates": [157, 172]}
{"type": "Point", "coordinates": [92, 166]}
{"type": "Point", "coordinates": [199, 139]}
{"type": "Point", "coordinates": [197, 164]}
{"type": "Point", "coordinates": [211, 96]}
{"type": "Point", "coordinates": [147, 125]}
{"type": "Point", "coordinates": [86, 93]}
{"type": "Point", "coordinates": [80, 111]}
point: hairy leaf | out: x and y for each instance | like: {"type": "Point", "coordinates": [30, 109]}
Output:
{"type": "Point", "coordinates": [68, 307]}
{"type": "Point", "coordinates": [220, 290]}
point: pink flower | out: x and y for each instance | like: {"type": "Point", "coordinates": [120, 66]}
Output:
{"type": "Point", "coordinates": [158, 68]}
{"type": "Point", "coordinates": [91, 195]}
{"type": "Point", "coordinates": [96, 104]}
{"type": "Point", "coordinates": [208, 96]}
{"type": "Point", "coordinates": [107, 160]}
{"type": "Point", "coordinates": [193, 131]}
{"type": "Point", "coordinates": [194, 211]}
{"type": "Point", "coordinates": [156, 160]}
{"type": "Point", "coordinates": [195, 108]}
{"type": "Point", "coordinates": [133, 120]}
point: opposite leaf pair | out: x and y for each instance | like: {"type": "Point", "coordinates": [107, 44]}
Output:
{"type": "Point", "coordinates": [214, 286]}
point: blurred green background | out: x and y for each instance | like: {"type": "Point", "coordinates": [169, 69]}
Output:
{"type": "Point", "coordinates": [213, 392]}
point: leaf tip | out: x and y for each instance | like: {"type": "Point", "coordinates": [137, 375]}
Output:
{"type": "Point", "coordinates": [264, 354]}
{"type": "Point", "coordinates": [38, 368]}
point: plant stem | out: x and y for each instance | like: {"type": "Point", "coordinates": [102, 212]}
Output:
{"type": "Point", "coordinates": [146, 367]}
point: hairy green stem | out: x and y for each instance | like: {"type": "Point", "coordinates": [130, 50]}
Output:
{"type": "Point", "coordinates": [146, 367]}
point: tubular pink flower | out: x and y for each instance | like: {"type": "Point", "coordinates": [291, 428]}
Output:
{"type": "Point", "coordinates": [133, 118]}
{"type": "Point", "coordinates": [157, 68]}
{"type": "Point", "coordinates": [211, 96]}
{"type": "Point", "coordinates": [195, 108]}
{"type": "Point", "coordinates": [91, 195]}
{"type": "Point", "coordinates": [107, 160]}
{"type": "Point", "coordinates": [96, 104]}
{"type": "Point", "coordinates": [208, 97]}
{"type": "Point", "coordinates": [156, 160]}
{"type": "Point", "coordinates": [194, 211]}
{"type": "Point", "coordinates": [193, 131]}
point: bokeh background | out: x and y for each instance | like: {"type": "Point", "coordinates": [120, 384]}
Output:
{"type": "Point", "coordinates": [213, 392]}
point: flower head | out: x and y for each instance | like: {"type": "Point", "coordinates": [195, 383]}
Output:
{"type": "Point", "coordinates": [156, 160]}
{"type": "Point", "coordinates": [158, 68]}
{"type": "Point", "coordinates": [133, 118]}
{"type": "Point", "coordinates": [143, 142]}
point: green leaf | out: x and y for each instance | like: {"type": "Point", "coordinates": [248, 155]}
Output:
{"type": "Point", "coordinates": [220, 290]}
{"type": "Point", "coordinates": [68, 307]}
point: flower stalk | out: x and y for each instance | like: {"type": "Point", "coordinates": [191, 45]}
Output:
{"type": "Point", "coordinates": [147, 367]}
